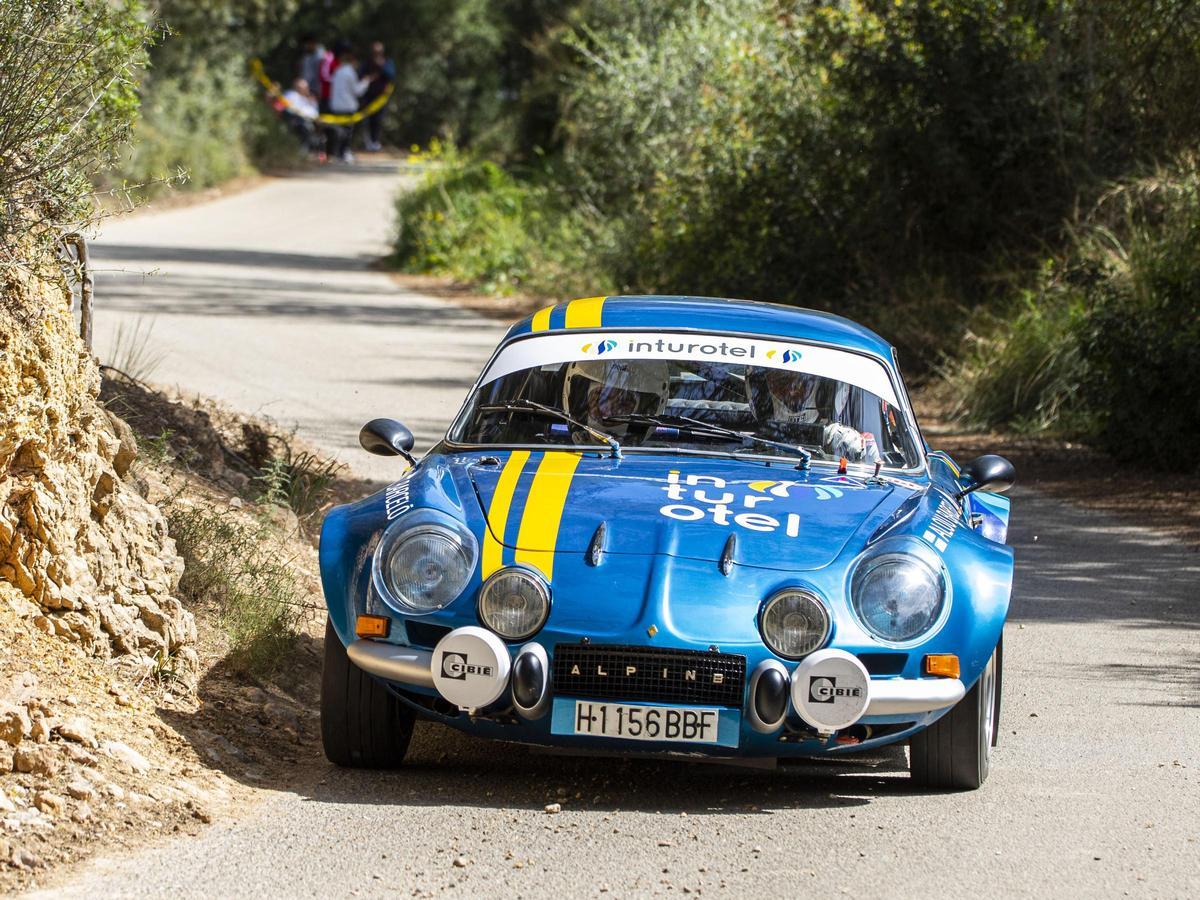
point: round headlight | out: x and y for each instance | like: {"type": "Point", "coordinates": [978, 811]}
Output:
{"type": "Point", "coordinates": [514, 603]}
{"type": "Point", "coordinates": [898, 596]}
{"type": "Point", "coordinates": [794, 623]}
{"type": "Point", "coordinates": [423, 562]}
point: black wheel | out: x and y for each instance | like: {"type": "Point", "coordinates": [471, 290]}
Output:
{"type": "Point", "coordinates": [955, 751]}
{"type": "Point", "coordinates": [363, 726]}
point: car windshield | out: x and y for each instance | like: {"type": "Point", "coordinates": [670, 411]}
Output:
{"type": "Point", "coordinates": [701, 393]}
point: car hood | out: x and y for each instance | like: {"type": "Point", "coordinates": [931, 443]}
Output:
{"type": "Point", "coordinates": [680, 506]}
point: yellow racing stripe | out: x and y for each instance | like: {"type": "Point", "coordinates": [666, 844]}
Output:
{"type": "Point", "coordinates": [497, 518]}
{"type": "Point", "coordinates": [541, 319]}
{"type": "Point", "coordinates": [543, 511]}
{"type": "Point", "coordinates": [585, 313]}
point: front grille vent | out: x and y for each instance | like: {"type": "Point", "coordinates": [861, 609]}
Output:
{"type": "Point", "coordinates": [425, 634]}
{"type": "Point", "coordinates": [649, 675]}
{"type": "Point", "coordinates": [884, 663]}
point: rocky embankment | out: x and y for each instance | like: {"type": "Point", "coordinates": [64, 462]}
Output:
{"type": "Point", "coordinates": [88, 606]}
{"type": "Point", "coordinates": [82, 553]}
{"type": "Point", "coordinates": [123, 715]}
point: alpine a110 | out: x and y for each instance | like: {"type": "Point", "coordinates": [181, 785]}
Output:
{"type": "Point", "coordinates": [680, 526]}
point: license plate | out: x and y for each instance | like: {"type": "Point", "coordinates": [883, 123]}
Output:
{"type": "Point", "coordinates": [647, 723]}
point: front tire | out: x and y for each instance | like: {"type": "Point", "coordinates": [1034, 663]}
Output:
{"type": "Point", "coordinates": [955, 751]}
{"type": "Point", "coordinates": [363, 725]}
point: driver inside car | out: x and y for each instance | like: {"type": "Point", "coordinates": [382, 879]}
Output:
{"type": "Point", "coordinates": [598, 392]}
{"type": "Point", "coordinates": [803, 399]}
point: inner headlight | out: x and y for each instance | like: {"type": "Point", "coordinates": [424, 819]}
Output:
{"type": "Point", "coordinates": [424, 561]}
{"type": "Point", "coordinates": [514, 603]}
{"type": "Point", "coordinates": [794, 623]}
{"type": "Point", "coordinates": [898, 596]}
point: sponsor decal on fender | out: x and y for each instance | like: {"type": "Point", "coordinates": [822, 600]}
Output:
{"type": "Point", "coordinates": [943, 525]}
{"type": "Point", "coordinates": [396, 499]}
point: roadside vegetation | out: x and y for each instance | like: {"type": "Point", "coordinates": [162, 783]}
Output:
{"type": "Point", "coordinates": [202, 121]}
{"type": "Point", "coordinates": [240, 570]}
{"type": "Point", "coordinates": [1006, 191]}
{"type": "Point", "coordinates": [117, 679]}
{"type": "Point", "coordinates": [69, 104]}
{"type": "Point", "coordinates": [243, 502]}
{"type": "Point", "coordinates": [1104, 342]}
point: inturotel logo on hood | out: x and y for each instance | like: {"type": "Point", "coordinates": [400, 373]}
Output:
{"type": "Point", "coordinates": [706, 497]}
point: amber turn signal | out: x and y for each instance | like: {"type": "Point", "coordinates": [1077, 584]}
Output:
{"type": "Point", "coordinates": [943, 664]}
{"type": "Point", "coordinates": [373, 626]}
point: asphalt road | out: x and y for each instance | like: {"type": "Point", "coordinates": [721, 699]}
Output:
{"type": "Point", "coordinates": [269, 300]}
{"type": "Point", "coordinates": [1095, 787]}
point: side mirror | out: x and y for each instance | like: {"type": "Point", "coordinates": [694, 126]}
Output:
{"type": "Point", "coordinates": [387, 437]}
{"type": "Point", "coordinates": [988, 473]}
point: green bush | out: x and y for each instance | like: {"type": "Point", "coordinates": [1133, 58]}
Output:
{"type": "Point", "coordinates": [876, 159]}
{"type": "Point", "coordinates": [472, 220]}
{"type": "Point", "coordinates": [1141, 337]}
{"type": "Point", "coordinates": [69, 98]}
{"type": "Point", "coordinates": [204, 121]}
{"type": "Point", "coordinates": [194, 124]}
{"type": "Point", "coordinates": [1105, 346]}
{"type": "Point", "coordinates": [1027, 369]}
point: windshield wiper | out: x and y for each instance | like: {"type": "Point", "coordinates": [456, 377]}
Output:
{"type": "Point", "coordinates": [697, 426]}
{"type": "Point", "coordinates": [542, 409]}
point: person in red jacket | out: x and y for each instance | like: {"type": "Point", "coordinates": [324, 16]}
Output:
{"type": "Point", "coordinates": [328, 65]}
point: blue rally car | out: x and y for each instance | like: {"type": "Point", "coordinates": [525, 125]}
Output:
{"type": "Point", "coordinates": [682, 526]}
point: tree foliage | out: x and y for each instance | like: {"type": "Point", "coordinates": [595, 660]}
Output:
{"type": "Point", "coordinates": [917, 164]}
{"type": "Point", "coordinates": [68, 103]}
{"type": "Point", "coordinates": [202, 114]}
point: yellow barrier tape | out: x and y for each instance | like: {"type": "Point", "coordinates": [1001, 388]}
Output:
{"type": "Point", "coordinates": [272, 88]}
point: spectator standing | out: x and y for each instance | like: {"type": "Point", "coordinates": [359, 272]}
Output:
{"type": "Point", "coordinates": [325, 72]}
{"type": "Point", "coordinates": [383, 72]}
{"type": "Point", "coordinates": [345, 91]}
{"type": "Point", "coordinates": [310, 61]}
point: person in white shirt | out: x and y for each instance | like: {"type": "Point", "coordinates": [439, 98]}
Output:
{"type": "Point", "coordinates": [300, 100]}
{"type": "Point", "coordinates": [300, 114]}
{"type": "Point", "coordinates": [344, 92]}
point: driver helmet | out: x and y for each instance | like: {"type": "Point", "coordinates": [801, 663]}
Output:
{"type": "Point", "coordinates": [792, 392]}
{"type": "Point", "coordinates": [596, 391]}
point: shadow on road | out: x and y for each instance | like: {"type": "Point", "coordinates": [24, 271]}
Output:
{"type": "Point", "coordinates": [221, 256]}
{"type": "Point", "coordinates": [1086, 567]}
{"type": "Point", "coordinates": [374, 302]}
{"type": "Point", "coordinates": [264, 740]}
{"type": "Point", "coordinates": [449, 768]}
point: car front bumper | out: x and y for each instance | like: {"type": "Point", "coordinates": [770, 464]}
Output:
{"type": "Point", "coordinates": [912, 701]}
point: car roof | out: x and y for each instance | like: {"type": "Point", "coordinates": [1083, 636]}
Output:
{"type": "Point", "coordinates": [672, 312]}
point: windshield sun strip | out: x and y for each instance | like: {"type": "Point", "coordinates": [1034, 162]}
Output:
{"type": "Point", "coordinates": [898, 387]}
